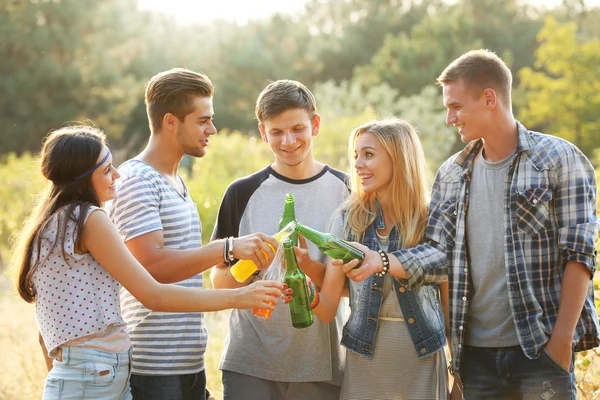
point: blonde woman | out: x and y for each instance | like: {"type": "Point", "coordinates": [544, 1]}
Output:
{"type": "Point", "coordinates": [395, 333]}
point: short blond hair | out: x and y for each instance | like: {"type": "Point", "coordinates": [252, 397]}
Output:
{"type": "Point", "coordinates": [479, 70]}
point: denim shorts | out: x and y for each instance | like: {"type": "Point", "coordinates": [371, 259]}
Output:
{"type": "Point", "coordinates": [85, 373]}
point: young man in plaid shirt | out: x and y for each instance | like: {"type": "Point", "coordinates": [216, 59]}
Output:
{"type": "Point", "coordinates": [515, 212]}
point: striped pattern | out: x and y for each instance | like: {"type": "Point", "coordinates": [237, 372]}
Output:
{"type": "Point", "coordinates": [163, 343]}
{"type": "Point", "coordinates": [550, 219]}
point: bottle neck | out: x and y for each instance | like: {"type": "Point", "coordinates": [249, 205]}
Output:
{"type": "Point", "coordinates": [291, 263]}
{"type": "Point", "coordinates": [318, 238]}
{"type": "Point", "coordinates": [289, 212]}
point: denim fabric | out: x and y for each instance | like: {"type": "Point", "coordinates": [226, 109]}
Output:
{"type": "Point", "coordinates": [507, 373]}
{"type": "Point", "coordinates": [420, 305]}
{"type": "Point", "coordinates": [169, 387]}
{"type": "Point", "coordinates": [86, 373]}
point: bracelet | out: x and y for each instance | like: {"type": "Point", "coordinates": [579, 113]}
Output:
{"type": "Point", "coordinates": [314, 296]}
{"type": "Point", "coordinates": [386, 263]}
{"type": "Point", "coordinates": [230, 256]}
{"type": "Point", "coordinates": [225, 252]}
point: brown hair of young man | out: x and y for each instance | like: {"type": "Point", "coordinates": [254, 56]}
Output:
{"type": "Point", "coordinates": [283, 95]}
{"type": "Point", "coordinates": [173, 92]}
{"type": "Point", "coordinates": [479, 70]}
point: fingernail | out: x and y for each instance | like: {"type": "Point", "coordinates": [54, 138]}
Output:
{"type": "Point", "coordinates": [285, 286]}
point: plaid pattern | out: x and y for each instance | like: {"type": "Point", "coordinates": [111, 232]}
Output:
{"type": "Point", "coordinates": [550, 218]}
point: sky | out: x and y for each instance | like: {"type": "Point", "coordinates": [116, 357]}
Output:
{"type": "Point", "coordinates": [190, 11]}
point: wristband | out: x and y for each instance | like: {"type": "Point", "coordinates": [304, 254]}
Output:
{"type": "Point", "coordinates": [230, 256]}
{"type": "Point", "coordinates": [225, 252]}
{"type": "Point", "coordinates": [385, 261]}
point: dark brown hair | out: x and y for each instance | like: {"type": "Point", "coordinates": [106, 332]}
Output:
{"type": "Point", "coordinates": [283, 95]}
{"type": "Point", "coordinates": [174, 91]}
{"type": "Point", "coordinates": [66, 154]}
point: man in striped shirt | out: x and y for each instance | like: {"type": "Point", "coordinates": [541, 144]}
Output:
{"type": "Point", "coordinates": [160, 225]}
{"type": "Point", "coordinates": [515, 215]}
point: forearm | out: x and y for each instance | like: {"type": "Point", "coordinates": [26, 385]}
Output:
{"type": "Point", "coordinates": [445, 300]}
{"type": "Point", "coordinates": [330, 293]}
{"type": "Point", "coordinates": [315, 271]}
{"type": "Point", "coordinates": [170, 265]}
{"type": "Point", "coordinates": [572, 296]}
{"type": "Point", "coordinates": [222, 278]}
{"type": "Point", "coordinates": [173, 298]}
{"type": "Point", "coordinates": [420, 265]}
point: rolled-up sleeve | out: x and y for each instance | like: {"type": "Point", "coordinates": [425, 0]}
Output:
{"type": "Point", "coordinates": [575, 202]}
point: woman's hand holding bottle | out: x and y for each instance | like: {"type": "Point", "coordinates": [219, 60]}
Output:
{"type": "Point", "coordinates": [370, 265]}
{"type": "Point", "coordinates": [261, 294]}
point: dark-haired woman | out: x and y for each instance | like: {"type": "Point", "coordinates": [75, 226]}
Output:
{"type": "Point", "coordinates": [72, 261]}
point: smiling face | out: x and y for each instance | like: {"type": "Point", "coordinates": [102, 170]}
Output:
{"type": "Point", "coordinates": [289, 136]}
{"type": "Point", "coordinates": [468, 113]}
{"type": "Point", "coordinates": [373, 164]}
{"type": "Point", "coordinates": [104, 177]}
{"type": "Point", "coordinates": [194, 132]}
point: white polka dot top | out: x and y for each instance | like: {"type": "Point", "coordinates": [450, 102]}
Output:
{"type": "Point", "coordinates": [75, 296]}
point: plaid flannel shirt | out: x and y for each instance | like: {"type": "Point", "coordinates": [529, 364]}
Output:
{"type": "Point", "coordinates": [550, 219]}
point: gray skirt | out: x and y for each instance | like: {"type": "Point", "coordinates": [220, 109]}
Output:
{"type": "Point", "coordinates": [395, 371]}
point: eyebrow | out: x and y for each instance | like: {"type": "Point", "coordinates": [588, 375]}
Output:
{"type": "Point", "coordinates": [206, 116]}
{"type": "Point", "coordinates": [366, 147]}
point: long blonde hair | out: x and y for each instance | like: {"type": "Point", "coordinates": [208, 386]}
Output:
{"type": "Point", "coordinates": [409, 187]}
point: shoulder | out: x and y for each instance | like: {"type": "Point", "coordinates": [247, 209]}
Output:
{"type": "Point", "coordinates": [250, 183]}
{"type": "Point", "coordinates": [548, 151]}
{"type": "Point", "coordinates": [343, 177]}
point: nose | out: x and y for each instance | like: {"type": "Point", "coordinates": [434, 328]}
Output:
{"type": "Point", "coordinates": [450, 117]}
{"type": "Point", "coordinates": [288, 138]}
{"type": "Point", "coordinates": [212, 129]}
{"type": "Point", "coordinates": [116, 174]}
{"type": "Point", "coordinates": [358, 163]}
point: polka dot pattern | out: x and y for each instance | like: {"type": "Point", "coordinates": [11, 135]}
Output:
{"type": "Point", "coordinates": [75, 295]}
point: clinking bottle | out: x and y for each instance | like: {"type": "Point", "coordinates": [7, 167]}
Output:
{"type": "Point", "coordinates": [289, 215]}
{"type": "Point", "coordinates": [300, 311]}
{"type": "Point", "coordinates": [332, 246]}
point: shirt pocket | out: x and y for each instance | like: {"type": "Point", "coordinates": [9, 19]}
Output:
{"type": "Point", "coordinates": [449, 210]}
{"type": "Point", "coordinates": [533, 210]}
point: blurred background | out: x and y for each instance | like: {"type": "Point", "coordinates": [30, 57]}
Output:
{"type": "Point", "coordinates": [67, 61]}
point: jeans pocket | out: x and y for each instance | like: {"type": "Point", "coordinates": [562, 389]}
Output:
{"type": "Point", "coordinates": [53, 389]}
{"type": "Point", "coordinates": [99, 374]}
{"type": "Point", "coordinates": [552, 362]}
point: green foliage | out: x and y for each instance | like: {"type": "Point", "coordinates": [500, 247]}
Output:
{"type": "Point", "coordinates": [562, 93]}
{"type": "Point", "coordinates": [22, 180]}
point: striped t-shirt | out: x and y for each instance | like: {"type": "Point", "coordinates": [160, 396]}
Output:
{"type": "Point", "coordinates": [163, 343]}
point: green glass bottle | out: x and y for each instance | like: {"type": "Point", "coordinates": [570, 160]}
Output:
{"type": "Point", "coordinates": [335, 248]}
{"type": "Point", "coordinates": [300, 310]}
{"type": "Point", "coordinates": [289, 215]}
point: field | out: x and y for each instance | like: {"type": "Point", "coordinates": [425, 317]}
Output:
{"type": "Point", "coordinates": [22, 370]}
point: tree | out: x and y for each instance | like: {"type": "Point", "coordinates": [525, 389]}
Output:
{"type": "Point", "coordinates": [562, 94]}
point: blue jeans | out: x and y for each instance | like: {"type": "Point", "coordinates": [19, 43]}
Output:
{"type": "Point", "coordinates": [85, 373]}
{"type": "Point", "coordinates": [507, 373]}
{"type": "Point", "coordinates": [169, 387]}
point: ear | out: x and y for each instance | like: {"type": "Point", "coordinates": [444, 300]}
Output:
{"type": "Point", "coordinates": [490, 98]}
{"type": "Point", "coordinates": [316, 124]}
{"type": "Point", "coordinates": [170, 122]}
{"type": "Point", "coordinates": [263, 134]}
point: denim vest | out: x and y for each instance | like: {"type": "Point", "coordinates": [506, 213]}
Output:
{"type": "Point", "coordinates": [420, 306]}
